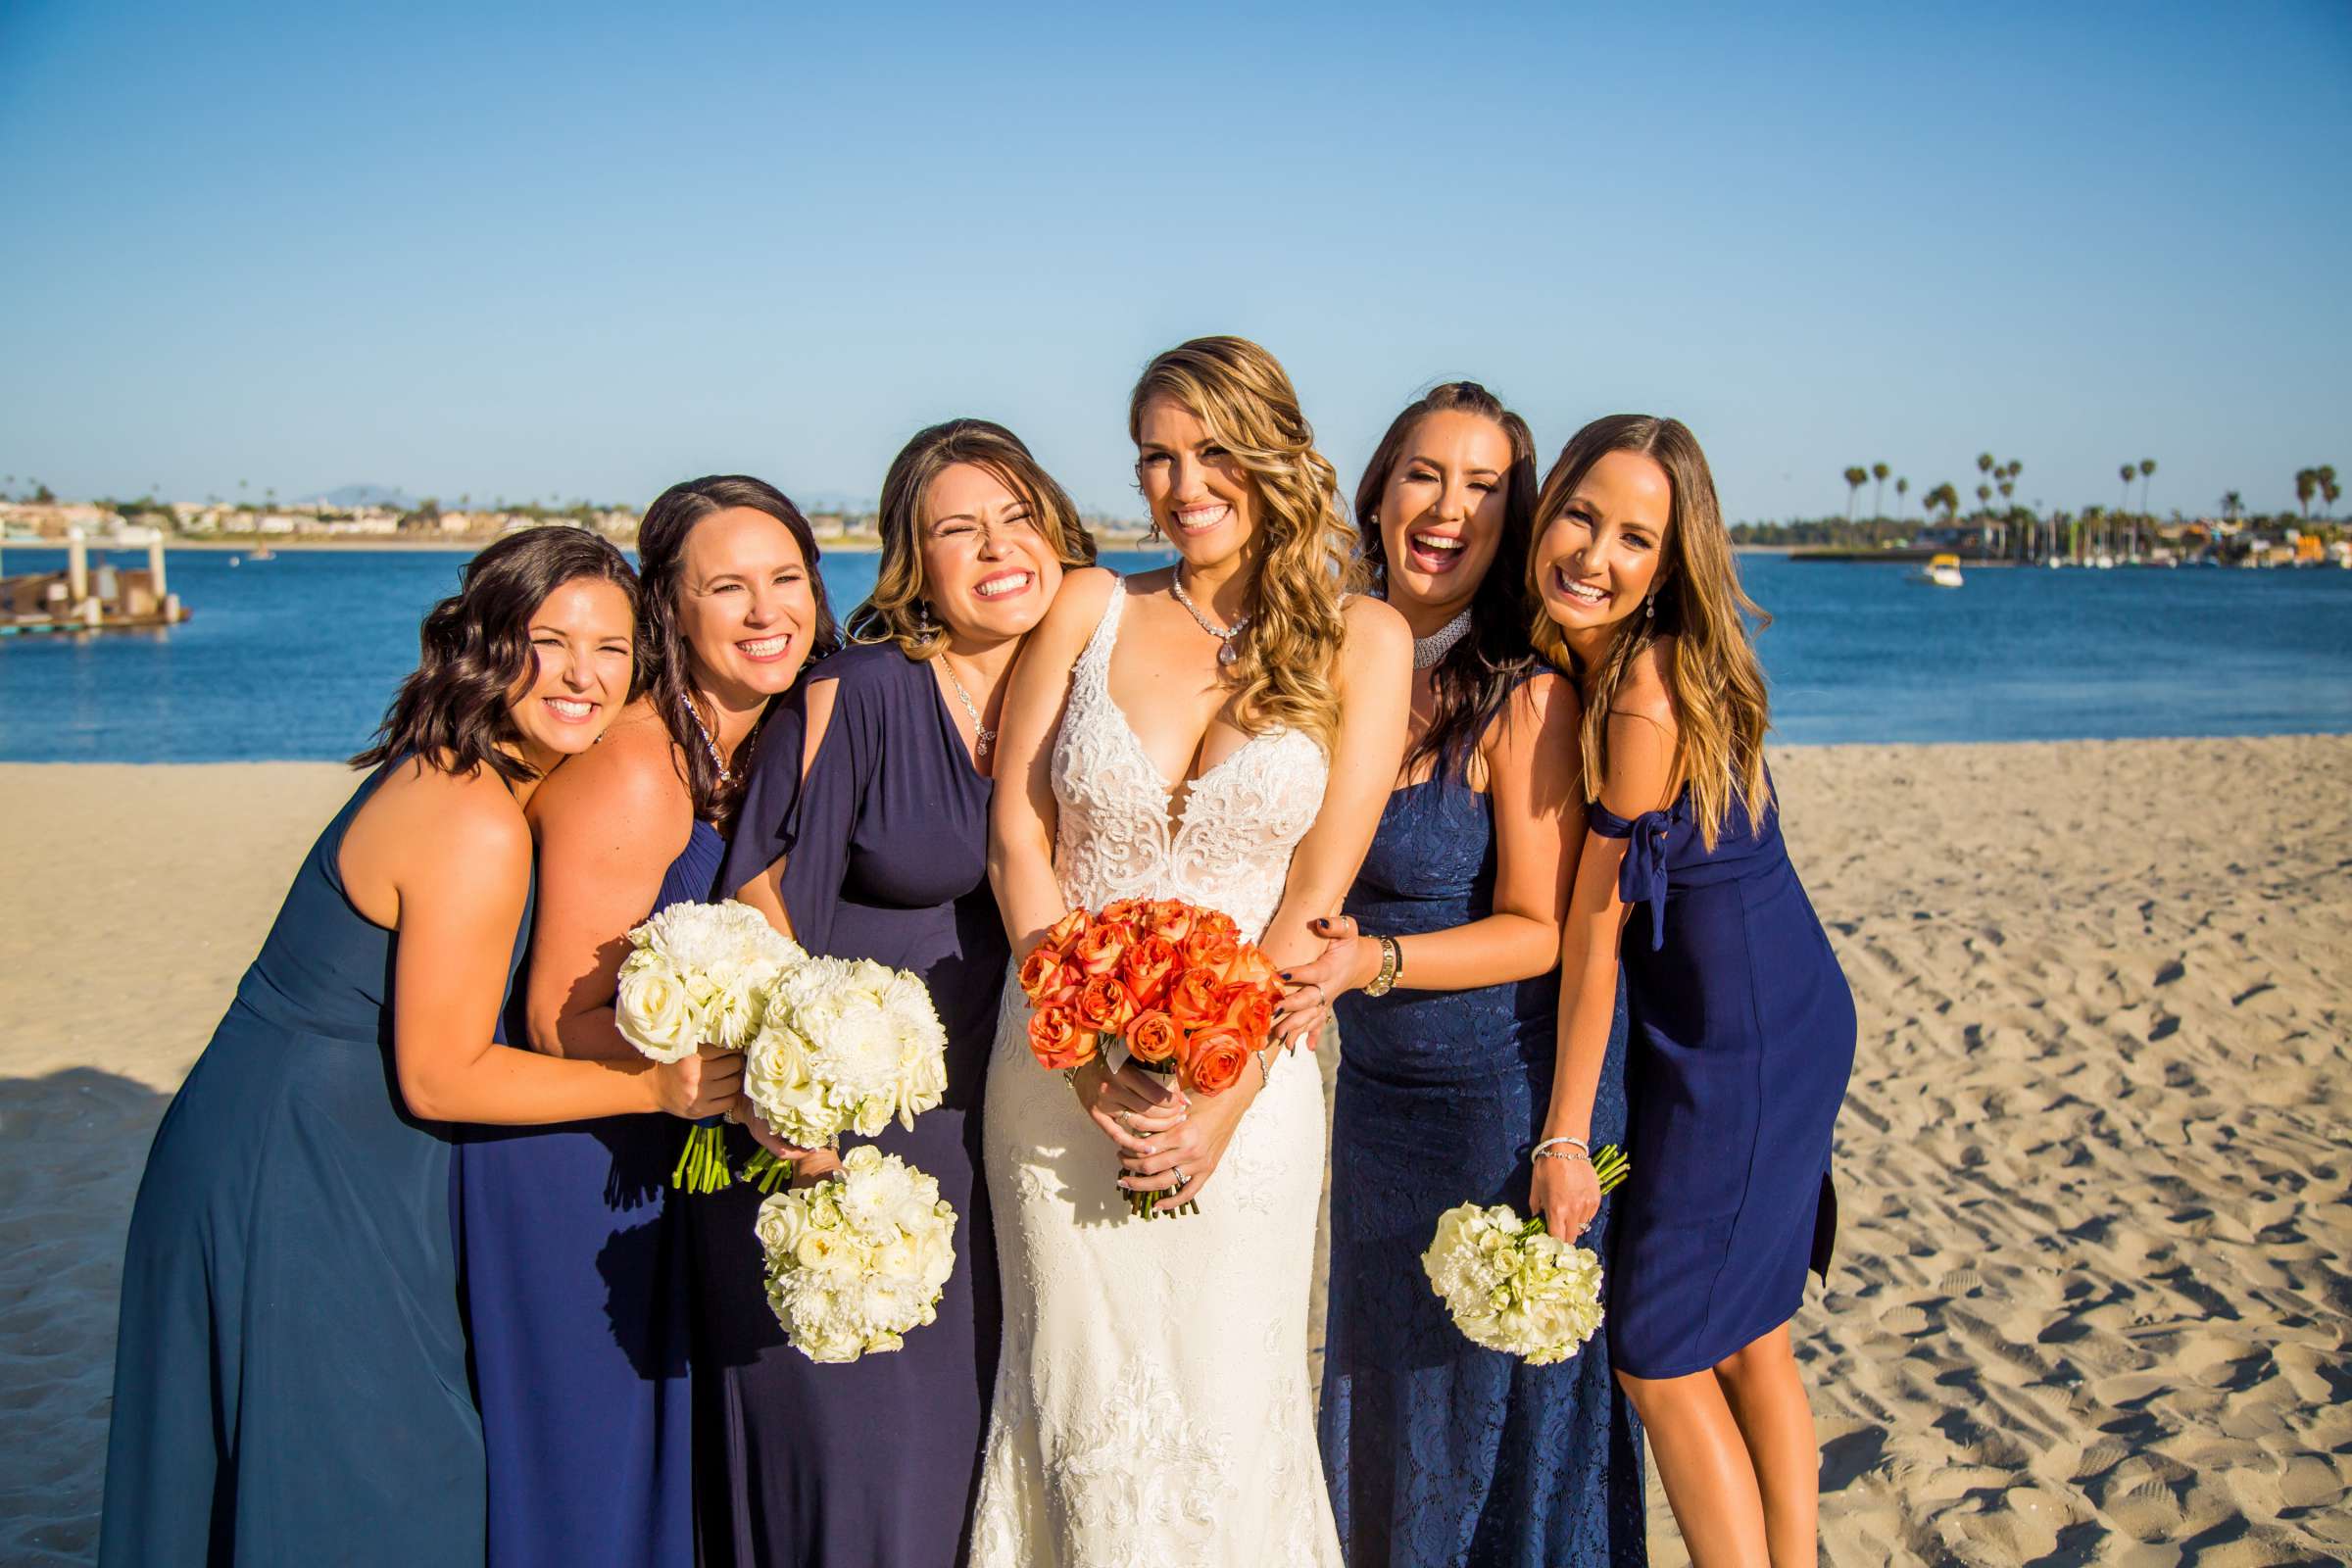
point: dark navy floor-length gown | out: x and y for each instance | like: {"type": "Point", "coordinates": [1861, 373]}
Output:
{"type": "Point", "coordinates": [1742, 1040]}
{"type": "Point", "coordinates": [290, 1369]}
{"type": "Point", "coordinates": [871, 1463]}
{"type": "Point", "coordinates": [1440, 1453]}
{"type": "Point", "coordinates": [576, 1287]}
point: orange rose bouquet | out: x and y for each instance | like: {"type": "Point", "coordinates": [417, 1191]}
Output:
{"type": "Point", "coordinates": [1172, 982]}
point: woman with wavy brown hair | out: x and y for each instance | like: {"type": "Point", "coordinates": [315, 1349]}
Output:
{"type": "Point", "coordinates": [290, 1372]}
{"type": "Point", "coordinates": [577, 1269]}
{"type": "Point", "coordinates": [1222, 733]}
{"type": "Point", "coordinates": [1742, 1025]}
{"type": "Point", "coordinates": [864, 833]}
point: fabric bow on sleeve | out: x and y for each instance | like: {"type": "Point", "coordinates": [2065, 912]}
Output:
{"type": "Point", "coordinates": [1641, 875]}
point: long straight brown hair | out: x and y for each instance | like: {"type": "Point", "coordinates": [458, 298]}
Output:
{"type": "Point", "coordinates": [1720, 708]}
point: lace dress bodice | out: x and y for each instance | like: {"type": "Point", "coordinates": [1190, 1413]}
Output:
{"type": "Point", "coordinates": [1228, 847]}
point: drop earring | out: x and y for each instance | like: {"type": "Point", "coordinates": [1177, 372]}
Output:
{"type": "Point", "coordinates": [926, 626]}
{"type": "Point", "coordinates": [1650, 607]}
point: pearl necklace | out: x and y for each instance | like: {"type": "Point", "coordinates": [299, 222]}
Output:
{"type": "Point", "coordinates": [1427, 651]}
{"type": "Point", "coordinates": [1226, 653]}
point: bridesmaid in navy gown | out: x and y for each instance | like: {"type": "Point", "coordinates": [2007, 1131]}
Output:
{"type": "Point", "coordinates": [576, 1276]}
{"type": "Point", "coordinates": [290, 1367]}
{"type": "Point", "coordinates": [1438, 1452]}
{"type": "Point", "coordinates": [880, 852]}
{"type": "Point", "coordinates": [1742, 1030]}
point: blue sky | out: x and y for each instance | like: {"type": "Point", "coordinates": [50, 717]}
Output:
{"type": "Point", "coordinates": [517, 251]}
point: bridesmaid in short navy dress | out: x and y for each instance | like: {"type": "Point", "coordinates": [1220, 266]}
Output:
{"type": "Point", "coordinates": [577, 1277]}
{"type": "Point", "coordinates": [877, 848]}
{"type": "Point", "coordinates": [575, 1269]}
{"type": "Point", "coordinates": [1742, 1041]}
{"type": "Point", "coordinates": [1743, 1025]}
{"type": "Point", "coordinates": [1437, 1450]}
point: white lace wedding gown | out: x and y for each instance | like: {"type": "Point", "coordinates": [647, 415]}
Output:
{"type": "Point", "coordinates": [1151, 1406]}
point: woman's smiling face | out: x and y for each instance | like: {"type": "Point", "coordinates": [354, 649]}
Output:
{"type": "Point", "coordinates": [1605, 554]}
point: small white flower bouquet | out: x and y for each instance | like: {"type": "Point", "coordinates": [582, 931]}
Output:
{"type": "Point", "coordinates": [1512, 1287]}
{"type": "Point", "coordinates": [857, 1260]}
{"type": "Point", "coordinates": [842, 1045]}
{"type": "Point", "coordinates": [700, 974]}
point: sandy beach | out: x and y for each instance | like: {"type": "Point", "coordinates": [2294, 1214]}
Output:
{"type": "Point", "coordinates": [2091, 1302]}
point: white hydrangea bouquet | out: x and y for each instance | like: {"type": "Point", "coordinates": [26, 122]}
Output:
{"type": "Point", "coordinates": [700, 974]}
{"type": "Point", "coordinates": [856, 1261]}
{"type": "Point", "coordinates": [842, 1045]}
{"type": "Point", "coordinates": [1510, 1285]}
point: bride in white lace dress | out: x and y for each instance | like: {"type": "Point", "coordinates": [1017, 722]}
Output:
{"type": "Point", "coordinates": [1223, 733]}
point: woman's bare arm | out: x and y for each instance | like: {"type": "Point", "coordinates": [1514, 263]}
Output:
{"type": "Point", "coordinates": [1021, 822]}
{"type": "Point", "coordinates": [610, 823]}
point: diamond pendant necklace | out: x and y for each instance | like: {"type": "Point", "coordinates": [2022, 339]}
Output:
{"type": "Point", "coordinates": [982, 735]}
{"type": "Point", "coordinates": [1427, 651]}
{"type": "Point", "coordinates": [1225, 635]}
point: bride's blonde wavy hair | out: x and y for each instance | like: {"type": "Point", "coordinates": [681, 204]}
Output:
{"type": "Point", "coordinates": [1290, 653]}
{"type": "Point", "coordinates": [1720, 708]}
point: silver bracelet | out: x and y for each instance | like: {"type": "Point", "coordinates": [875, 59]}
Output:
{"type": "Point", "coordinates": [1265, 1074]}
{"type": "Point", "coordinates": [1581, 1149]}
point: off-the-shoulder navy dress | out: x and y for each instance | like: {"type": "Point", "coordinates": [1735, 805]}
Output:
{"type": "Point", "coordinates": [872, 1462]}
{"type": "Point", "coordinates": [1742, 1039]}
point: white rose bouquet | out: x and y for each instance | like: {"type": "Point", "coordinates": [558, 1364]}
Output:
{"type": "Point", "coordinates": [858, 1259]}
{"type": "Point", "coordinates": [698, 974]}
{"type": "Point", "coordinates": [842, 1045]}
{"type": "Point", "coordinates": [1510, 1285]}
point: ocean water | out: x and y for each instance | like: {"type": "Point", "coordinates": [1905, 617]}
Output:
{"type": "Point", "coordinates": [295, 658]}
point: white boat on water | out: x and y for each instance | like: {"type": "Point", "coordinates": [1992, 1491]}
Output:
{"type": "Point", "coordinates": [1940, 572]}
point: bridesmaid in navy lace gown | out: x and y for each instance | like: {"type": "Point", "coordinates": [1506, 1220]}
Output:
{"type": "Point", "coordinates": [1743, 1025]}
{"type": "Point", "coordinates": [290, 1369]}
{"type": "Point", "coordinates": [1438, 1452]}
{"type": "Point", "coordinates": [576, 1276]}
{"type": "Point", "coordinates": [880, 852]}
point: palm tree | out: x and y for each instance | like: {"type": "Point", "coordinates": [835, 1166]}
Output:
{"type": "Point", "coordinates": [2329, 490]}
{"type": "Point", "coordinates": [2147, 471]}
{"type": "Point", "coordinates": [2231, 505]}
{"type": "Point", "coordinates": [2307, 485]}
{"type": "Point", "coordinates": [1878, 496]}
{"type": "Point", "coordinates": [1853, 487]}
{"type": "Point", "coordinates": [1902, 487]}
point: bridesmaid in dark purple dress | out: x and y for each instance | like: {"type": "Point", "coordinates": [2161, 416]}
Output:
{"type": "Point", "coordinates": [864, 828]}
{"type": "Point", "coordinates": [576, 1276]}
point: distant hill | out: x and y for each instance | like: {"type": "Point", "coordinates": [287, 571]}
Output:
{"type": "Point", "coordinates": [354, 496]}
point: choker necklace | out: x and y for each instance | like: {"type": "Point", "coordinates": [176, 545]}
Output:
{"type": "Point", "coordinates": [1225, 635]}
{"type": "Point", "coordinates": [1427, 651]}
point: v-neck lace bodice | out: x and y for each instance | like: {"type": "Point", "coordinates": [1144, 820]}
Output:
{"type": "Point", "coordinates": [1227, 846]}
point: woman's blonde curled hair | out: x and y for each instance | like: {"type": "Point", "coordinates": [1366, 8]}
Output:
{"type": "Point", "coordinates": [1720, 708]}
{"type": "Point", "coordinates": [1289, 657]}
{"type": "Point", "coordinates": [896, 611]}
